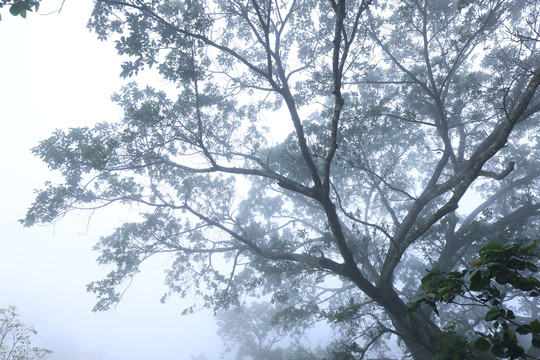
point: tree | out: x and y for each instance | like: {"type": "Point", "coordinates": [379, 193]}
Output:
{"type": "Point", "coordinates": [254, 333]}
{"type": "Point", "coordinates": [15, 342]}
{"type": "Point", "coordinates": [358, 128]}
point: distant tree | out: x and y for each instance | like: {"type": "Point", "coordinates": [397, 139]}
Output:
{"type": "Point", "coordinates": [255, 332]}
{"type": "Point", "coordinates": [312, 152]}
{"type": "Point", "coordinates": [15, 338]}
{"type": "Point", "coordinates": [251, 330]}
{"type": "Point", "coordinates": [202, 356]}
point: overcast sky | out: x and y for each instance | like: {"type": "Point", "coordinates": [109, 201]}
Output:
{"type": "Point", "coordinates": [55, 74]}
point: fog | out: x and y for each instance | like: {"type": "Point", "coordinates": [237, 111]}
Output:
{"type": "Point", "coordinates": [55, 74]}
{"type": "Point", "coordinates": [290, 196]}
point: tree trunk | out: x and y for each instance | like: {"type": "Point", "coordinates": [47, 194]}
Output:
{"type": "Point", "coordinates": [418, 351]}
{"type": "Point", "coordinates": [416, 329]}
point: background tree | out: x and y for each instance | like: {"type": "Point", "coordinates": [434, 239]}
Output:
{"type": "Point", "coordinates": [255, 332]}
{"type": "Point", "coordinates": [15, 338]}
{"type": "Point", "coordinates": [357, 127]}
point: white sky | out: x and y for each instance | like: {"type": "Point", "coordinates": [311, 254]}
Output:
{"type": "Point", "coordinates": [55, 74]}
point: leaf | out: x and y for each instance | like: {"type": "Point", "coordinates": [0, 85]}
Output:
{"type": "Point", "coordinates": [510, 315]}
{"type": "Point", "coordinates": [526, 284]}
{"type": "Point", "coordinates": [503, 277]}
{"type": "Point", "coordinates": [516, 264]}
{"type": "Point", "coordinates": [535, 326]}
{"type": "Point", "coordinates": [536, 341]}
{"type": "Point", "coordinates": [481, 344]}
{"type": "Point", "coordinates": [498, 350]}
{"type": "Point", "coordinates": [476, 280]}
{"type": "Point", "coordinates": [494, 314]}
{"type": "Point", "coordinates": [531, 247]}
{"type": "Point", "coordinates": [21, 7]}
{"type": "Point", "coordinates": [492, 247]}
{"type": "Point", "coordinates": [15, 9]}
{"type": "Point", "coordinates": [523, 330]}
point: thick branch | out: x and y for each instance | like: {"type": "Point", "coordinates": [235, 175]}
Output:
{"type": "Point", "coordinates": [459, 183]}
{"type": "Point", "coordinates": [501, 175]}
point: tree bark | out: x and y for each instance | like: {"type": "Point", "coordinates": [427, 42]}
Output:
{"type": "Point", "coordinates": [416, 329]}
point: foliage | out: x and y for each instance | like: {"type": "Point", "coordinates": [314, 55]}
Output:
{"type": "Point", "coordinates": [311, 152]}
{"type": "Point", "coordinates": [498, 265]}
{"type": "Point", "coordinates": [453, 346]}
{"type": "Point", "coordinates": [15, 338]}
{"type": "Point", "coordinates": [20, 7]}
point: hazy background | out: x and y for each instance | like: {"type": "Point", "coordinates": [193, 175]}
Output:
{"type": "Point", "coordinates": [55, 74]}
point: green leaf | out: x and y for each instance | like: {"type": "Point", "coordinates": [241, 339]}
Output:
{"type": "Point", "coordinates": [481, 344]}
{"type": "Point", "coordinates": [510, 315]}
{"type": "Point", "coordinates": [442, 290]}
{"type": "Point", "coordinates": [536, 341]}
{"type": "Point", "coordinates": [503, 277]}
{"type": "Point", "coordinates": [15, 9]}
{"type": "Point", "coordinates": [523, 330]}
{"type": "Point", "coordinates": [494, 314]}
{"type": "Point", "coordinates": [498, 350]}
{"type": "Point", "coordinates": [492, 247]}
{"type": "Point", "coordinates": [531, 247]}
{"type": "Point", "coordinates": [526, 284]}
{"type": "Point", "coordinates": [535, 326]}
{"type": "Point", "coordinates": [22, 7]}
{"type": "Point", "coordinates": [476, 280]}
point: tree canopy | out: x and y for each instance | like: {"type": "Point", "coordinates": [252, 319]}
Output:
{"type": "Point", "coordinates": [314, 153]}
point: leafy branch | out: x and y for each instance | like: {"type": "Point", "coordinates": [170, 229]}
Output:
{"type": "Point", "coordinates": [497, 266]}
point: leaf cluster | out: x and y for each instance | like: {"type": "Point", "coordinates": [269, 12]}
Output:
{"type": "Point", "coordinates": [452, 345]}
{"type": "Point", "coordinates": [497, 268]}
{"type": "Point", "coordinates": [20, 7]}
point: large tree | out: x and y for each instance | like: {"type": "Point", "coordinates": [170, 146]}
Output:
{"type": "Point", "coordinates": [314, 151]}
